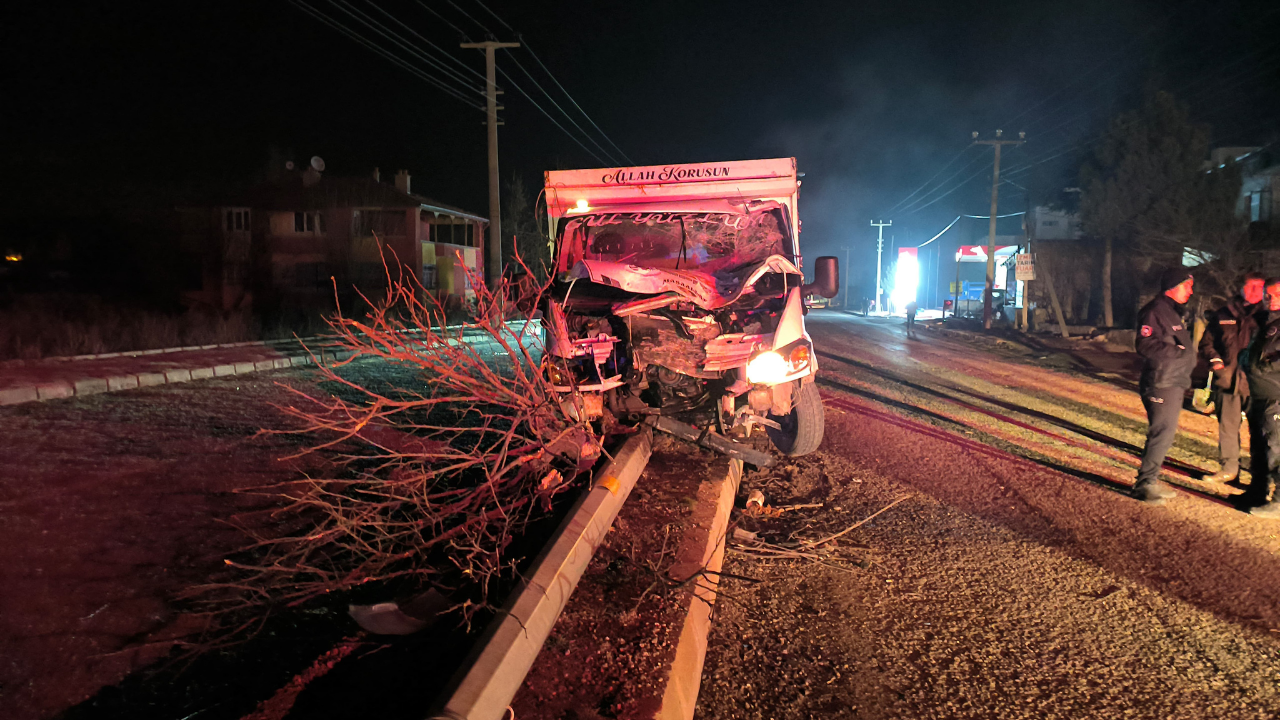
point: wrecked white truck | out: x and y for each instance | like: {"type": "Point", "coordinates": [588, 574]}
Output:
{"type": "Point", "coordinates": [678, 300]}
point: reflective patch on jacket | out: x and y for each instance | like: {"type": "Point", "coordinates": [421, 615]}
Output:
{"type": "Point", "coordinates": [1146, 331]}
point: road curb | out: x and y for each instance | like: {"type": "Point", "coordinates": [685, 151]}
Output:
{"type": "Point", "coordinates": [701, 554]}
{"type": "Point", "coordinates": [90, 384]}
{"type": "Point", "coordinates": [494, 671]}
{"type": "Point", "coordinates": [116, 382]}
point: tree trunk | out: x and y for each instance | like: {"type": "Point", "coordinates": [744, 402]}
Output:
{"type": "Point", "coordinates": [1108, 319]}
{"type": "Point", "coordinates": [1053, 299]}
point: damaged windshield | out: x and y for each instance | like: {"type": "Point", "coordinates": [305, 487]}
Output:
{"type": "Point", "coordinates": [707, 241]}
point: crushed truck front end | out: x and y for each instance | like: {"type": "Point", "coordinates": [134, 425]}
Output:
{"type": "Point", "coordinates": [679, 292]}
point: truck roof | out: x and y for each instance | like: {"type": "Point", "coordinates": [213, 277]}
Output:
{"type": "Point", "coordinates": [580, 190]}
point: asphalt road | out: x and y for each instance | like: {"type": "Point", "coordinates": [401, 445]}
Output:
{"type": "Point", "coordinates": [1016, 580]}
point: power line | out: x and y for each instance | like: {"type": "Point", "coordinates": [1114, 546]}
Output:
{"type": "Point", "coordinates": [394, 59]}
{"type": "Point", "coordinates": [562, 111]}
{"type": "Point", "coordinates": [390, 35]}
{"type": "Point", "coordinates": [957, 187]}
{"type": "Point", "coordinates": [547, 70]}
{"type": "Point", "coordinates": [1058, 151]}
{"type": "Point", "coordinates": [543, 90]}
{"type": "Point", "coordinates": [444, 20]}
{"type": "Point", "coordinates": [495, 16]}
{"type": "Point", "coordinates": [976, 217]}
{"type": "Point", "coordinates": [437, 48]}
{"type": "Point", "coordinates": [465, 15]}
{"type": "Point", "coordinates": [940, 232]}
{"type": "Point", "coordinates": [572, 137]}
{"type": "Point", "coordinates": [917, 203]}
{"type": "Point", "coordinates": [926, 182]}
{"type": "Point", "coordinates": [525, 44]}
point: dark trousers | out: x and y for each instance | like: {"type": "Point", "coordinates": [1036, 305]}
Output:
{"type": "Point", "coordinates": [1229, 405]}
{"type": "Point", "coordinates": [1163, 406]}
{"type": "Point", "coordinates": [1264, 447]}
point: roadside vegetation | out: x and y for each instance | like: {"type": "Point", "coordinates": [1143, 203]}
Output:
{"type": "Point", "coordinates": [443, 446]}
{"type": "Point", "coordinates": [64, 324]}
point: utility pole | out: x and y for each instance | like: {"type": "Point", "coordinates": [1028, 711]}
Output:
{"type": "Point", "coordinates": [493, 264]}
{"type": "Point", "coordinates": [879, 255]}
{"type": "Point", "coordinates": [991, 234]}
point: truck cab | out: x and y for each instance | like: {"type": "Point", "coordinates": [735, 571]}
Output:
{"type": "Point", "coordinates": [679, 291]}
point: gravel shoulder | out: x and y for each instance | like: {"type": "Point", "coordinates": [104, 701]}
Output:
{"type": "Point", "coordinates": [1009, 584]}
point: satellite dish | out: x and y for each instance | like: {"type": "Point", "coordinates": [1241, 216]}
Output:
{"type": "Point", "coordinates": [317, 163]}
{"type": "Point", "coordinates": [288, 165]}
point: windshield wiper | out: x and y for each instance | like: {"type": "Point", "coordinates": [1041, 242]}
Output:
{"type": "Point", "coordinates": [684, 239]}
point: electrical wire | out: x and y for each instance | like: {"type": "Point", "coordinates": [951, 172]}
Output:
{"type": "Point", "coordinates": [495, 16]}
{"type": "Point", "coordinates": [465, 15]}
{"type": "Point", "coordinates": [520, 90]}
{"type": "Point", "coordinates": [392, 36]}
{"type": "Point", "coordinates": [957, 187]}
{"type": "Point", "coordinates": [444, 20]}
{"type": "Point", "coordinates": [525, 44]}
{"type": "Point", "coordinates": [437, 48]}
{"type": "Point", "coordinates": [568, 117]}
{"type": "Point", "coordinates": [940, 232]}
{"type": "Point", "coordinates": [550, 98]}
{"type": "Point", "coordinates": [926, 182]}
{"type": "Point", "coordinates": [977, 217]}
{"type": "Point", "coordinates": [953, 176]}
{"type": "Point", "coordinates": [394, 59]}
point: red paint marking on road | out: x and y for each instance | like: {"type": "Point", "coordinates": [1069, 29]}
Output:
{"type": "Point", "coordinates": [1102, 449]}
{"type": "Point", "coordinates": [931, 431]}
{"type": "Point", "coordinates": [972, 445]}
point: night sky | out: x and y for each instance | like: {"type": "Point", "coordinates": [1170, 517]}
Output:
{"type": "Point", "coordinates": [113, 104]}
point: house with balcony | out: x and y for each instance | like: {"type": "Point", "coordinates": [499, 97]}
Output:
{"type": "Point", "coordinates": [289, 242]}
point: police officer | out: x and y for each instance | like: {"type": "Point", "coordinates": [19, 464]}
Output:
{"type": "Point", "coordinates": [1262, 368]}
{"type": "Point", "coordinates": [1165, 346]}
{"type": "Point", "coordinates": [1227, 336]}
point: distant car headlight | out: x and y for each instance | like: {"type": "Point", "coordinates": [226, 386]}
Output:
{"type": "Point", "coordinates": [766, 368]}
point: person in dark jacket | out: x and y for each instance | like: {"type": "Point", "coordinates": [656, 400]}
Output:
{"type": "Point", "coordinates": [1227, 336]}
{"type": "Point", "coordinates": [1262, 368]}
{"type": "Point", "coordinates": [1165, 345]}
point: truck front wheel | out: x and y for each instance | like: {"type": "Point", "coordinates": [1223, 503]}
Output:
{"type": "Point", "coordinates": [802, 428]}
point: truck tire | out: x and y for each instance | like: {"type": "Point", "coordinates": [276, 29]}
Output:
{"type": "Point", "coordinates": [802, 428]}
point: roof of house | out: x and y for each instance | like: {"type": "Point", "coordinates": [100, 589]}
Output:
{"type": "Point", "coordinates": [291, 193]}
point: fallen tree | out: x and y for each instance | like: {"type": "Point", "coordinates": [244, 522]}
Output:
{"type": "Point", "coordinates": [431, 481]}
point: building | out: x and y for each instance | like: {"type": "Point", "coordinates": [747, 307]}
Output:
{"type": "Point", "coordinates": [1045, 223]}
{"type": "Point", "coordinates": [288, 242]}
{"type": "Point", "coordinates": [1260, 179]}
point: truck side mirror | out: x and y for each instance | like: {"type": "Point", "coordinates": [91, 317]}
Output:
{"type": "Point", "coordinates": [826, 280]}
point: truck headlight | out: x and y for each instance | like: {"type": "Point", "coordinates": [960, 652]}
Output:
{"type": "Point", "coordinates": [766, 368]}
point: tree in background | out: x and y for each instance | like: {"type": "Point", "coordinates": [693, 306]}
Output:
{"type": "Point", "coordinates": [1147, 187]}
{"type": "Point", "coordinates": [524, 236]}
